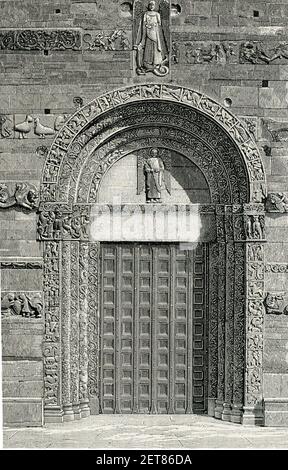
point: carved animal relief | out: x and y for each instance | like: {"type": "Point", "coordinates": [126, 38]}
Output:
{"type": "Point", "coordinates": [24, 195]}
{"type": "Point", "coordinates": [22, 304]}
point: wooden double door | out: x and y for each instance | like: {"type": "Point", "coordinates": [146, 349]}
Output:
{"type": "Point", "coordinates": [153, 328]}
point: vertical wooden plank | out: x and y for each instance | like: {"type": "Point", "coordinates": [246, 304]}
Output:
{"type": "Point", "coordinates": [171, 344]}
{"type": "Point", "coordinates": [118, 368]}
{"type": "Point", "coordinates": [136, 331]}
{"type": "Point", "coordinates": [189, 334]}
{"type": "Point", "coordinates": [154, 351]}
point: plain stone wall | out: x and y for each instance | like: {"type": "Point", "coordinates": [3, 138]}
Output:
{"type": "Point", "coordinates": [44, 86]}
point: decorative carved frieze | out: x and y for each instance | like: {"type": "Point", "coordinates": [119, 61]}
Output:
{"type": "Point", "coordinates": [276, 303]}
{"type": "Point", "coordinates": [25, 304]}
{"type": "Point", "coordinates": [58, 222]}
{"type": "Point", "coordinates": [277, 202]}
{"type": "Point", "coordinates": [276, 268]}
{"type": "Point", "coordinates": [117, 40]}
{"type": "Point", "coordinates": [40, 40]}
{"type": "Point", "coordinates": [23, 264]}
{"type": "Point", "coordinates": [22, 195]}
{"type": "Point", "coordinates": [213, 52]}
{"type": "Point", "coordinates": [83, 326]}
{"type": "Point", "coordinates": [257, 52]}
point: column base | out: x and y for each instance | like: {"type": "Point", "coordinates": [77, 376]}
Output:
{"type": "Point", "coordinates": [226, 414]}
{"type": "Point", "coordinates": [76, 411]}
{"type": "Point", "coordinates": [218, 409]}
{"type": "Point", "coordinates": [211, 406]}
{"type": "Point", "coordinates": [94, 405]}
{"type": "Point", "coordinates": [253, 416]}
{"type": "Point", "coordinates": [237, 413]}
{"type": "Point", "coordinates": [53, 415]}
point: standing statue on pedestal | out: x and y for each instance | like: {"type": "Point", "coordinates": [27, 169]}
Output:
{"type": "Point", "coordinates": [154, 170]}
{"type": "Point", "coordinates": [151, 47]}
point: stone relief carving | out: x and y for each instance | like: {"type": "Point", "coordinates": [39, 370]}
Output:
{"type": "Point", "coordinates": [254, 227]}
{"type": "Point", "coordinates": [25, 304]}
{"type": "Point", "coordinates": [254, 323]}
{"type": "Point", "coordinates": [117, 40]}
{"type": "Point", "coordinates": [57, 223]}
{"type": "Point", "coordinates": [23, 128]}
{"type": "Point", "coordinates": [51, 346]}
{"type": "Point", "coordinates": [42, 151]}
{"type": "Point", "coordinates": [277, 202]}
{"type": "Point", "coordinates": [66, 137]}
{"type": "Point", "coordinates": [152, 37]}
{"type": "Point", "coordinates": [93, 319]}
{"type": "Point", "coordinates": [276, 268]}
{"type": "Point", "coordinates": [276, 303]}
{"type": "Point", "coordinates": [40, 40]}
{"type": "Point", "coordinates": [276, 131]}
{"type": "Point", "coordinates": [216, 52]}
{"type": "Point", "coordinates": [13, 264]}
{"type": "Point", "coordinates": [24, 195]}
{"type": "Point", "coordinates": [256, 52]}
{"type": "Point", "coordinates": [154, 173]}
{"type": "Point", "coordinates": [6, 126]}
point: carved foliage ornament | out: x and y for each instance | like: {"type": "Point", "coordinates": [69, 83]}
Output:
{"type": "Point", "coordinates": [37, 40]}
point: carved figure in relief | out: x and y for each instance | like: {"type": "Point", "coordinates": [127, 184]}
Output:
{"type": "Point", "coordinates": [23, 128]}
{"type": "Point", "coordinates": [154, 170]}
{"type": "Point", "coordinates": [26, 305]}
{"type": "Point", "coordinates": [5, 127]}
{"type": "Point", "coordinates": [42, 131]}
{"type": "Point", "coordinates": [152, 51]}
{"type": "Point", "coordinates": [254, 227]}
{"type": "Point", "coordinates": [25, 195]}
{"type": "Point", "coordinates": [277, 202]}
{"type": "Point", "coordinates": [275, 303]}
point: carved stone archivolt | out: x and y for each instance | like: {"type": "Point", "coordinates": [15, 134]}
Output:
{"type": "Point", "coordinates": [71, 141]}
{"type": "Point", "coordinates": [136, 119]}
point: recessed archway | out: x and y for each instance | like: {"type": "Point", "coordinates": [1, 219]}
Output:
{"type": "Point", "coordinates": [100, 134]}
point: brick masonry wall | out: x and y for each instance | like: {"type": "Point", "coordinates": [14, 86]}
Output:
{"type": "Point", "coordinates": [233, 50]}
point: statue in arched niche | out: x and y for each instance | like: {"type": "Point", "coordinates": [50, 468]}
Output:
{"type": "Point", "coordinates": [155, 177]}
{"type": "Point", "coordinates": [151, 44]}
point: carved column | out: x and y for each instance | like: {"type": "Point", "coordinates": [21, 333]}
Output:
{"type": "Point", "coordinates": [254, 222]}
{"type": "Point", "coordinates": [239, 333]}
{"type": "Point", "coordinates": [220, 220]}
{"type": "Point", "coordinates": [51, 345]}
{"type": "Point", "coordinates": [74, 343]}
{"type": "Point", "coordinates": [93, 327]}
{"type": "Point", "coordinates": [213, 328]}
{"type": "Point", "coordinates": [83, 327]}
{"type": "Point", "coordinates": [66, 333]}
{"type": "Point", "coordinates": [249, 232]}
{"type": "Point", "coordinates": [229, 314]}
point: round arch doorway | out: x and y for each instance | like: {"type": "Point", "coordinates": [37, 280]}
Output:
{"type": "Point", "coordinates": [85, 149]}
